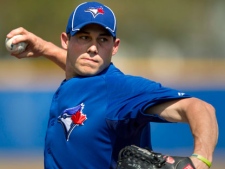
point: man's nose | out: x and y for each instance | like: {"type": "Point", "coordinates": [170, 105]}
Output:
{"type": "Point", "coordinates": [93, 48]}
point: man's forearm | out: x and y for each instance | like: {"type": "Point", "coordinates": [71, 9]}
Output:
{"type": "Point", "coordinates": [203, 124]}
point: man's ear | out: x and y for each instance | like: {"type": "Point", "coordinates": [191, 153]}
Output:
{"type": "Point", "coordinates": [116, 46]}
{"type": "Point", "coordinates": [64, 40]}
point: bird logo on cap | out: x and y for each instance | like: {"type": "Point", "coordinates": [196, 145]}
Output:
{"type": "Point", "coordinates": [95, 11]}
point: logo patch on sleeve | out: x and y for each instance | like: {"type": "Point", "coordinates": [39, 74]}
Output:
{"type": "Point", "coordinates": [72, 117]}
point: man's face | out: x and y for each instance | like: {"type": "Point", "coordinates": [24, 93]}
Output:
{"type": "Point", "coordinates": [90, 51]}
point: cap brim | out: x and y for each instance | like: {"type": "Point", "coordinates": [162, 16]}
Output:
{"type": "Point", "coordinates": [79, 27]}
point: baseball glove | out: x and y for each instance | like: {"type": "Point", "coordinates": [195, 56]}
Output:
{"type": "Point", "coordinates": [133, 157]}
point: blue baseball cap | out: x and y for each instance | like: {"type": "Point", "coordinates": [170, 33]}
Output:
{"type": "Point", "coordinates": [89, 13]}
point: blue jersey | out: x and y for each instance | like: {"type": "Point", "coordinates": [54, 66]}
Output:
{"type": "Point", "coordinates": [93, 118]}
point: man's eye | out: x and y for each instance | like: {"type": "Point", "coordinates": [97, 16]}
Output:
{"type": "Point", "coordinates": [103, 39]}
{"type": "Point", "coordinates": [84, 37]}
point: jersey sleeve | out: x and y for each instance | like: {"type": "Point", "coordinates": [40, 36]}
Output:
{"type": "Point", "coordinates": [130, 96]}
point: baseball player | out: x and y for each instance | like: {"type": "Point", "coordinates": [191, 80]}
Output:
{"type": "Point", "coordinates": [98, 110]}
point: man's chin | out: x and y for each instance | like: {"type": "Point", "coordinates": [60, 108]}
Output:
{"type": "Point", "coordinates": [88, 73]}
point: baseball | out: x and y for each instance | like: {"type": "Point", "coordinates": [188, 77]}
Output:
{"type": "Point", "coordinates": [15, 48]}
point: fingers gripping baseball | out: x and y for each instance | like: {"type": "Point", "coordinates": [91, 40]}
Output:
{"type": "Point", "coordinates": [133, 157]}
{"type": "Point", "coordinates": [15, 48]}
{"type": "Point", "coordinates": [22, 43]}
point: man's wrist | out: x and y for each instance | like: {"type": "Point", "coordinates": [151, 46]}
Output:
{"type": "Point", "coordinates": [203, 159]}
